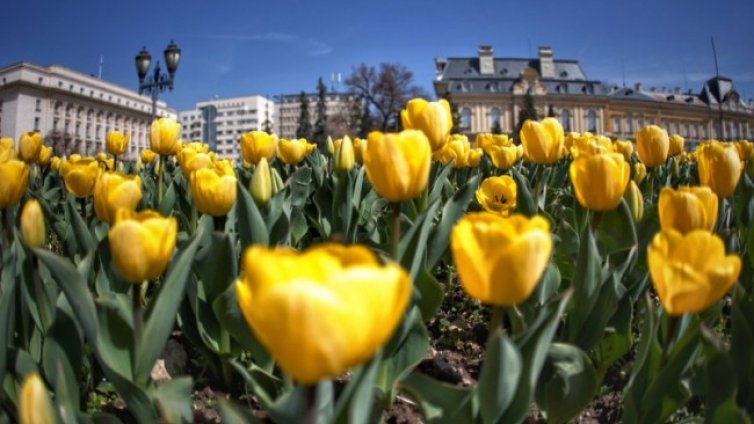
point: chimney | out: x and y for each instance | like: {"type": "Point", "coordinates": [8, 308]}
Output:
{"type": "Point", "coordinates": [486, 62]}
{"type": "Point", "coordinates": [546, 65]}
{"type": "Point", "coordinates": [440, 64]}
{"type": "Point", "coordinates": [677, 90]}
{"type": "Point", "coordinates": [653, 89]}
{"type": "Point", "coordinates": [637, 87]}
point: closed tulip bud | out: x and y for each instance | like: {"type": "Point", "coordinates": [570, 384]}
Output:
{"type": "Point", "coordinates": [33, 224]}
{"type": "Point", "coordinates": [486, 140]}
{"type": "Point", "coordinates": [163, 136]}
{"type": "Point", "coordinates": [101, 157]}
{"type": "Point", "coordinates": [330, 146]}
{"type": "Point", "coordinates": [213, 190]}
{"type": "Point", "coordinates": [55, 163]}
{"type": "Point", "coordinates": [196, 146]}
{"type": "Point", "coordinates": [34, 404]}
{"type": "Point", "coordinates": [640, 172]}
{"type": "Point", "coordinates": [141, 244]}
{"type": "Point", "coordinates": [293, 152]}
{"type": "Point", "coordinates": [147, 156]}
{"type": "Point", "coordinates": [345, 305]}
{"type": "Point", "coordinates": [397, 164]}
{"type": "Point", "coordinates": [745, 149]}
{"type": "Point", "coordinates": [114, 191]}
{"type": "Point", "coordinates": [256, 145]}
{"type": "Point", "coordinates": [432, 118]}
{"type": "Point", "coordinates": [276, 182]}
{"type": "Point", "coordinates": [652, 145]}
{"type": "Point", "coordinates": [261, 186]}
{"type": "Point", "coordinates": [116, 142]}
{"type": "Point", "coordinates": [719, 167]}
{"type": "Point", "coordinates": [359, 149]}
{"type": "Point", "coordinates": [80, 176]}
{"type": "Point", "coordinates": [14, 176]}
{"type": "Point", "coordinates": [344, 156]}
{"type": "Point", "coordinates": [497, 195]}
{"type": "Point", "coordinates": [690, 272]}
{"type": "Point", "coordinates": [600, 180]}
{"type": "Point", "coordinates": [503, 157]}
{"type": "Point", "coordinates": [473, 157]}
{"type": "Point", "coordinates": [191, 160]}
{"type": "Point", "coordinates": [500, 260]}
{"type": "Point", "coordinates": [675, 145]}
{"type": "Point", "coordinates": [542, 141]}
{"type": "Point", "coordinates": [687, 208]}
{"type": "Point", "coordinates": [45, 154]}
{"type": "Point", "coordinates": [30, 144]}
{"type": "Point", "coordinates": [626, 148]}
{"type": "Point", "coordinates": [7, 149]}
{"type": "Point", "coordinates": [635, 201]}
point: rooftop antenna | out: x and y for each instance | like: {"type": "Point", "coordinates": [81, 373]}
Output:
{"type": "Point", "coordinates": [623, 70]}
{"type": "Point", "coordinates": [719, 91]}
{"type": "Point", "coordinates": [101, 62]}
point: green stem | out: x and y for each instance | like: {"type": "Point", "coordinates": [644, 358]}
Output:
{"type": "Point", "coordinates": [672, 327]}
{"type": "Point", "coordinates": [115, 162]}
{"type": "Point", "coordinates": [136, 298]}
{"type": "Point", "coordinates": [496, 320]}
{"type": "Point", "coordinates": [538, 184]}
{"type": "Point", "coordinates": [82, 201]}
{"type": "Point", "coordinates": [160, 177]}
{"type": "Point", "coordinates": [395, 236]}
{"type": "Point", "coordinates": [596, 221]}
{"type": "Point", "coordinates": [311, 404]}
{"type": "Point", "coordinates": [193, 219]}
{"type": "Point", "coordinates": [42, 301]}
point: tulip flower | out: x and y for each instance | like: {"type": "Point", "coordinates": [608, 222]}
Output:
{"type": "Point", "coordinates": [141, 244]}
{"type": "Point", "coordinates": [214, 189]}
{"type": "Point", "coordinates": [458, 149]}
{"type": "Point", "coordinates": [261, 183]}
{"type": "Point", "coordinates": [80, 175]}
{"type": "Point", "coordinates": [432, 118]}
{"type": "Point", "coordinates": [33, 224]}
{"type": "Point", "coordinates": [163, 136]}
{"type": "Point", "coordinates": [687, 208]}
{"type": "Point", "coordinates": [719, 167]}
{"type": "Point", "coordinates": [292, 152]}
{"type": "Point", "coordinates": [7, 149]}
{"type": "Point", "coordinates": [652, 145]}
{"type": "Point", "coordinates": [503, 157]}
{"type": "Point", "coordinates": [256, 145]}
{"type": "Point", "coordinates": [45, 154]}
{"type": "Point", "coordinates": [500, 260]}
{"type": "Point", "coordinates": [116, 142]}
{"type": "Point", "coordinates": [745, 149]}
{"type": "Point", "coordinates": [487, 140]}
{"type": "Point", "coordinates": [600, 180]}
{"type": "Point", "coordinates": [589, 144]}
{"type": "Point", "coordinates": [191, 160]}
{"type": "Point", "coordinates": [29, 145]}
{"type": "Point", "coordinates": [675, 145]}
{"type": "Point", "coordinates": [473, 157]}
{"type": "Point", "coordinates": [114, 190]}
{"type": "Point", "coordinates": [322, 311]}
{"type": "Point", "coordinates": [635, 201]}
{"type": "Point", "coordinates": [34, 404]}
{"type": "Point", "coordinates": [330, 146]}
{"type": "Point", "coordinates": [497, 195]}
{"type": "Point", "coordinates": [690, 272]}
{"type": "Point", "coordinates": [397, 164]}
{"type": "Point", "coordinates": [147, 156]}
{"type": "Point", "coordinates": [14, 176]}
{"type": "Point", "coordinates": [359, 149]}
{"type": "Point", "coordinates": [344, 155]}
{"type": "Point", "coordinates": [55, 163]}
{"type": "Point", "coordinates": [542, 141]}
{"type": "Point", "coordinates": [196, 146]}
{"type": "Point", "coordinates": [626, 148]}
{"type": "Point", "coordinates": [640, 172]}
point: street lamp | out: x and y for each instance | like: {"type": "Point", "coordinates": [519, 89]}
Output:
{"type": "Point", "coordinates": [158, 81]}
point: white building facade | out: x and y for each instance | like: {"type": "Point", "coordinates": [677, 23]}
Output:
{"type": "Point", "coordinates": [220, 122]}
{"type": "Point", "coordinates": [72, 110]}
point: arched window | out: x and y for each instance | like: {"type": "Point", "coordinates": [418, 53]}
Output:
{"type": "Point", "coordinates": [591, 121]}
{"type": "Point", "coordinates": [565, 119]}
{"type": "Point", "coordinates": [466, 118]}
{"type": "Point", "coordinates": [495, 119]}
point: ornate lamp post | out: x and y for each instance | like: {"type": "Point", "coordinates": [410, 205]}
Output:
{"type": "Point", "coordinates": [158, 81]}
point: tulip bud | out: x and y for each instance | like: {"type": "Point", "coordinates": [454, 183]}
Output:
{"type": "Point", "coordinates": [33, 224]}
{"type": "Point", "coordinates": [635, 201]}
{"type": "Point", "coordinates": [344, 156]}
{"type": "Point", "coordinates": [329, 146]}
{"type": "Point", "coordinates": [261, 187]}
{"type": "Point", "coordinates": [34, 404]}
{"type": "Point", "coordinates": [676, 170]}
{"type": "Point", "coordinates": [30, 145]}
{"type": "Point", "coordinates": [276, 181]}
{"type": "Point", "coordinates": [640, 172]}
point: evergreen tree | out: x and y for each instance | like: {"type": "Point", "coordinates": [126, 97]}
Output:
{"type": "Point", "coordinates": [354, 117]}
{"type": "Point", "coordinates": [304, 129]}
{"type": "Point", "coordinates": [454, 113]}
{"type": "Point", "coordinates": [496, 128]}
{"type": "Point", "coordinates": [267, 124]}
{"type": "Point", "coordinates": [366, 123]}
{"type": "Point", "coordinates": [551, 112]}
{"type": "Point", "coordinates": [320, 126]}
{"type": "Point", "coordinates": [528, 111]}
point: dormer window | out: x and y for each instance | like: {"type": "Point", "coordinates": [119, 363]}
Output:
{"type": "Point", "coordinates": [504, 71]}
{"type": "Point", "coordinates": [564, 74]}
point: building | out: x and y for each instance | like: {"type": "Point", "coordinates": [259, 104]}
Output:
{"type": "Point", "coordinates": [338, 106]}
{"type": "Point", "coordinates": [489, 92]}
{"type": "Point", "coordinates": [220, 122]}
{"type": "Point", "coordinates": [73, 111]}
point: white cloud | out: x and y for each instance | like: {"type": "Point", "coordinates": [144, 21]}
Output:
{"type": "Point", "coordinates": [312, 46]}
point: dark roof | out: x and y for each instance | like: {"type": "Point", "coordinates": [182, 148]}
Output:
{"type": "Point", "coordinates": [468, 68]}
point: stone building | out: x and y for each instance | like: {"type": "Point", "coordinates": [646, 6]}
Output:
{"type": "Point", "coordinates": [338, 106]}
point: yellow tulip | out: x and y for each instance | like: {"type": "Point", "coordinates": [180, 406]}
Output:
{"type": "Point", "coordinates": [344, 154]}
{"type": "Point", "coordinates": [600, 180]}
{"type": "Point", "coordinates": [487, 140]}
{"type": "Point", "coordinates": [432, 118]}
{"type": "Point", "coordinates": [359, 149]}
{"type": "Point", "coordinates": [675, 145]}
{"type": "Point", "coordinates": [652, 145]}
{"type": "Point", "coordinates": [635, 201]}
{"type": "Point", "coordinates": [397, 164]}
{"type": "Point", "coordinates": [196, 146]}
{"type": "Point", "coordinates": [29, 145]}
{"type": "Point", "coordinates": [500, 260]}
{"type": "Point", "coordinates": [690, 272]}
{"type": "Point", "coordinates": [34, 404]}
{"type": "Point", "coordinates": [473, 157]}
{"type": "Point", "coordinates": [14, 176]}
{"type": "Point", "coordinates": [745, 149]}
{"type": "Point", "coordinates": [261, 183]}
{"type": "Point", "coordinates": [719, 167]}
{"type": "Point", "coordinates": [114, 190]}
{"type": "Point", "coordinates": [55, 163]}
{"type": "Point", "coordinates": [116, 142]}
{"type": "Point", "coordinates": [80, 176]}
{"type": "Point", "coordinates": [45, 154]}
{"type": "Point", "coordinates": [163, 136]}
{"type": "Point", "coordinates": [7, 149]}
{"type": "Point", "coordinates": [141, 244]}
{"type": "Point", "coordinates": [687, 208]}
{"type": "Point", "coordinates": [191, 160]}
{"type": "Point", "coordinates": [322, 311]}
{"type": "Point", "coordinates": [294, 151]}
{"type": "Point", "coordinates": [497, 195]}
{"type": "Point", "coordinates": [503, 157]}
{"type": "Point", "coordinates": [458, 149]}
{"type": "Point", "coordinates": [588, 144]}
{"type": "Point", "coordinates": [542, 141]}
{"type": "Point", "coordinates": [101, 157]}
{"type": "Point", "coordinates": [256, 145]}
{"type": "Point", "coordinates": [330, 146]}
{"type": "Point", "coordinates": [626, 148]}
{"type": "Point", "coordinates": [214, 189]}
{"type": "Point", "coordinates": [147, 156]}
{"type": "Point", "coordinates": [640, 172]}
{"type": "Point", "coordinates": [33, 224]}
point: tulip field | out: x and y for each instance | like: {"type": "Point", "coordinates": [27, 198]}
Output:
{"type": "Point", "coordinates": [335, 283]}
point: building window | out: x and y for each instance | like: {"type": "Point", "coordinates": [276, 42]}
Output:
{"type": "Point", "coordinates": [565, 119]}
{"type": "Point", "coordinates": [38, 105]}
{"type": "Point", "coordinates": [55, 124]}
{"type": "Point", "coordinates": [40, 80]}
{"type": "Point", "coordinates": [616, 125]}
{"type": "Point", "coordinates": [495, 119]}
{"type": "Point", "coordinates": [686, 130]}
{"type": "Point", "coordinates": [466, 118]}
{"type": "Point", "coordinates": [640, 123]}
{"type": "Point", "coordinates": [591, 121]}
{"type": "Point", "coordinates": [36, 123]}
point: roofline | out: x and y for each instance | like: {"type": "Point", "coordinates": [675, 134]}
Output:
{"type": "Point", "coordinates": [514, 58]}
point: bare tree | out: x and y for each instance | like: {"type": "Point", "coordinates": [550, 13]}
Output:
{"type": "Point", "coordinates": [386, 91]}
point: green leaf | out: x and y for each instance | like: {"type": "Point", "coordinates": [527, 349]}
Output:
{"type": "Point", "coordinates": [251, 226]}
{"type": "Point", "coordinates": [548, 286]}
{"type": "Point", "coordinates": [215, 263]}
{"type": "Point", "coordinates": [301, 186]}
{"type": "Point", "coordinates": [498, 378]}
{"type": "Point", "coordinates": [524, 199]}
{"type": "Point", "coordinates": [453, 210]}
{"type": "Point", "coordinates": [440, 403]}
{"type": "Point", "coordinates": [81, 231]}
{"type": "Point", "coordinates": [342, 207]}
{"type": "Point", "coordinates": [429, 294]}
{"type": "Point", "coordinates": [61, 357]}
{"type": "Point", "coordinates": [568, 384]}
{"type": "Point", "coordinates": [228, 314]}
{"type": "Point", "coordinates": [586, 285]}
{"type": "Point", "coordinates": [168, 201]}
{"type": "Point", "coordinates": [438, 179]}
{"type": "Point", "coordinates": [231, 413]}
{"type": "Point", "coordinates": [413, 245]}
{"type": "Point", "coordinates": [174, 400]}
{"type": "Point", "coordinates": [355, 401]}
{"type": "Point", "coordinates": [616, 231]}
{"type": "Point", "coordinates": [7, 309]}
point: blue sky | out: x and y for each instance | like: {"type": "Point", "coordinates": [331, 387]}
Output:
{"type": "Point", "coordinates": [234, 48]}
